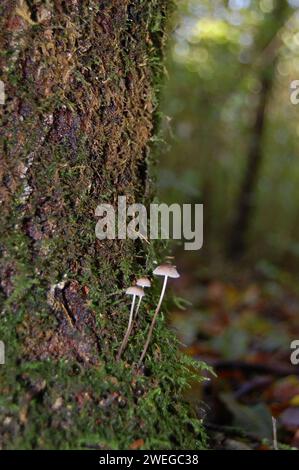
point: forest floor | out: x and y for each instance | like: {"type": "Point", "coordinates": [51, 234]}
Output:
{"type": "Point", "coordinates": [242, 324]}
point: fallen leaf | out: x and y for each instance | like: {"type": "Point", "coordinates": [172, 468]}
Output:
{"type": "Point", "coordinates": [255, 420]}
{"type": "Point", "coordinates": [295, 401]}
{"type": "Point", "coordinates": [285, 390]}
{"type": "Point", "coordinates": [137, 444]}
{"type": "Point", "coordinates": [290, 419]}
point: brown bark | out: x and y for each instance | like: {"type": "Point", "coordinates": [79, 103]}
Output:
{"type": "Point", "coordinates": [81, 82]}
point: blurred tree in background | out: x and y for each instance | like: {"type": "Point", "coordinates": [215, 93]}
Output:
{"type": "Point", "coordinates": [231, 134]}
{"type": "Point", "coordinates": [232, 129]}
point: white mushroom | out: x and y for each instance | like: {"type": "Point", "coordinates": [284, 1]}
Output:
{"type": "Point", "coordinates": [134, 291]}
{"type": "Point", "coordinates": [142, 282]}
{"type": "Point", "coordinates": [165, 270]}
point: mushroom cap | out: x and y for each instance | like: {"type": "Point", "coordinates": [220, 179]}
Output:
{"type": "Point", "coordinates": [166, 270]}
{"type": "Point", "coordinates": [143, 282]}
{"type": "Point", "coordinates": [134, 290]}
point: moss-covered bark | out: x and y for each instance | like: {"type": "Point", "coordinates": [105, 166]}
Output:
{"type": "Point", "coordinates": [81, 80]}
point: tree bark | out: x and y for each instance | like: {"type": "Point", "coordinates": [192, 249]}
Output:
{"type": "Point", "coordinates": [81, 83]}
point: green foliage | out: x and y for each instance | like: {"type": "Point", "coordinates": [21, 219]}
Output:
{"type": "Point", "coordinates": [219, 53]}
{"type": "Point", "coordinates": [124, 406]}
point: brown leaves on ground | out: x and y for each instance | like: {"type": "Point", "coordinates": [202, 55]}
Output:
{"type": "Point", "coordinates": [244, 328]}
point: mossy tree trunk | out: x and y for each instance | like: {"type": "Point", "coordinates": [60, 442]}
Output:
{"type": "Point", "coordinates": [81, 80]}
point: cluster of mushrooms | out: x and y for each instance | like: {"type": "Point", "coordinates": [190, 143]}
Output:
{"type": "Point", "coordinates": [165, 270]}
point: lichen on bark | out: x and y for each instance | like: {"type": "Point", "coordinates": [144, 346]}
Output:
{"type": "Point", "coordinates": [81, 83]}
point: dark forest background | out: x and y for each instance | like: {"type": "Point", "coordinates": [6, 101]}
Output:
{"type": "Point", "coordinates": [231, 143]}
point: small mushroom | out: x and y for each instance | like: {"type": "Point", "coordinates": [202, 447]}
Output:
{"type": "Point", "coordinates": [134, 291]}
{"type": "Point", "coordinates": [165, 270]}
{"type": "Point", "coordinates": [142, 282]}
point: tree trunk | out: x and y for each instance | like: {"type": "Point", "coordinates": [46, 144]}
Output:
{"type": "Point", "coordinates": [237, 243]}
{"type": "Point", "coordinates": [81, 79]}
{"type": "Point", "coordinates": [267, 44]}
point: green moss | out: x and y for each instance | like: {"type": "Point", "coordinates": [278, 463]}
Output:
{"type": "Point", "coordinates": [81, 119]}
{"type": "Point", "coordinates": [63, 405]}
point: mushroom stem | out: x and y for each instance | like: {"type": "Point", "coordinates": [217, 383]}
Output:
{"type": "Point", "coordinates": [153, 322]}
{"type": "Point", "coordinates": [137, 308]}
{"type": "Point", "coordinates": [135, 316]}
{"type": "Point", "coordinates": [126, 337]}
